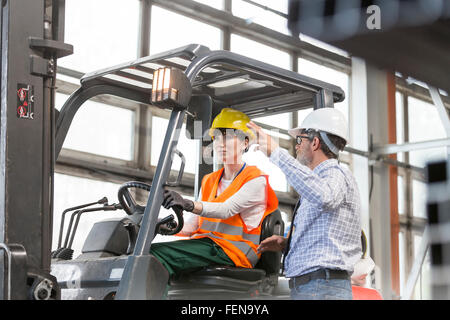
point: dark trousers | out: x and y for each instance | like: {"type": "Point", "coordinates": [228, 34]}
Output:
{"type": "Point", "coordinates": [189, 255]}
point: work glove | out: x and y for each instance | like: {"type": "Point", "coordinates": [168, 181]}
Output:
{"type": "Point", "coordinates": [174, 199]}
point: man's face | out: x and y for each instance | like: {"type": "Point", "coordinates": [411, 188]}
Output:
{"type": "Point", "coordinates": [303, 151]}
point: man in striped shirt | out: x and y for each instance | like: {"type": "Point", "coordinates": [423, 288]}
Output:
{"type": "Point", "coordinates": [324, 242]}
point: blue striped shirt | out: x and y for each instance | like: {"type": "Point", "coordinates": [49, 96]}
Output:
{"type": "Point", "coordinates": [327, 226]}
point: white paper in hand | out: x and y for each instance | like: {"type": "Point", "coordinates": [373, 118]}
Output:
{"type": "Point", "coordinates": [363, 266]}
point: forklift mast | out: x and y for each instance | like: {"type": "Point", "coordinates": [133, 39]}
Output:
{"type": "Point", "coordinates": [32, 35]}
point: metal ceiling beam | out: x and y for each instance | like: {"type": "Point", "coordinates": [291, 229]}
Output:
{"type": "Point", "coordinates": [411, 146]}
{"type": "Point", "coordinates": [419, 92]}
{"type": "Point", "coordinates": [443, 112]}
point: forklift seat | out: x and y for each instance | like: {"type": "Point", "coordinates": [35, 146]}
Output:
{"type": "Point", "coordinates": [264, 275]}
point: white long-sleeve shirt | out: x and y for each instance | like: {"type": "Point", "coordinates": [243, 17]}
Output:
{"type": "Point", "coordinates": [249, 201]}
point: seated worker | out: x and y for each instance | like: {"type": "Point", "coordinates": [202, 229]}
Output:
{"type": "Point", "coordinates": [225, 227]}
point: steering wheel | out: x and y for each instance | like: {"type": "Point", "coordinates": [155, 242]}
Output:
{"type": "Point", "coordinates": [165, 226]}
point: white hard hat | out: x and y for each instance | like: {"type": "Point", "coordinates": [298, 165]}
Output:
{"type": "Point", "coordinates": [329, 120]}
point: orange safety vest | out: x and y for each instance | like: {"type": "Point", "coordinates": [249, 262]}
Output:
{"type": "Point", "coordinates": [361, 293]}
{"type": "Point", "coordinates": [231, 234]}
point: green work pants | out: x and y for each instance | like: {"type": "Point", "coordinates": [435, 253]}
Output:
{"type": "Point", "coordinates": [183, 256]}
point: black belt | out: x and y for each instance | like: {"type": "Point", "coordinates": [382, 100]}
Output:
{"type": "Point", "coordinates": [319, 274]}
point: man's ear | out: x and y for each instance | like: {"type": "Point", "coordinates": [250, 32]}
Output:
{"type": "Point", "coordinates": [315, 144]}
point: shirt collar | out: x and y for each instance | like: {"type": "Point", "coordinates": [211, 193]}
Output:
{"type": "Point", "coordinates": [325, 164]}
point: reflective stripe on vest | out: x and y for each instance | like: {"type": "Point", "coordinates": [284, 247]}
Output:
{"type": "Point", "coordinates": [229, 229]}
{"type": "Point", "coordinates": [244, 247]}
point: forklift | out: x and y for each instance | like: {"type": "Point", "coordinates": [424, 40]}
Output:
{"type": "Point", "coordinates": [193, 82]}
{"type": "Point", "coordinates": [196, 83]}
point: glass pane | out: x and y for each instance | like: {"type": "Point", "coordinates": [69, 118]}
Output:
{"type": "Point", "coordinates": [422, 290]}
{"type": "Point", "coordinates": [277, 179]}
{"type": "Point", "coordinates": [399, 117]}
{"type": "Point", "coordinates": [401, 195]}
{"type": "Point", "coordinates": [102, 32]}
{"type": "Point", "coordinates": [301, 114]}
{"type": "Point", "coordinates": [101, 129]}
{"type": "Point", "coordinates": [282, 120]}
{"type": "Point", "coordinates": [424, 124]}
{"type": "Point", "coordinates": [426, 277]}
{"type": "Point", "coordinates": [328, 75]}
{"type": "Point", "coordinates": [266, 18]}
{"type": "Point", "coordinates": [71, 191]}
{"type": "Point", "coordinates": [400, 120]}
{"type": "Point", "coordinates": [259, 51]}
{"type": "Point", "coordinates": [419, 195]}
{"type": "Point", "coordinates": [170, 30]}
{"type": "Point", "coordinates": [218, 4]}
{"type": "Point", "coordinates": [420, 158]}
{"type": "Point", "coordinates": [402, 261]}
{"type": "Point", "coordinates": [186, 146]}
{"type": "Point", "coordinates": [424, 121]}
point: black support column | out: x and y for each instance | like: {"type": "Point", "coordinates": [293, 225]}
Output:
{"type": "Point", "coordinates": [29, 49]}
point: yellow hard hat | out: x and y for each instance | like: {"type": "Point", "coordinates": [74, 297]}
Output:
{"type": "Point", "coordinates": [231, 119]}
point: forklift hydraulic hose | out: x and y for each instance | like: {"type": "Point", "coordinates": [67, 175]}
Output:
{"type": "Point", "coordinates": [111, 207]}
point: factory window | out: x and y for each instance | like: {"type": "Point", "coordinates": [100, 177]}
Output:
{"type": "Point", "coordinates": [422, 290]}
{"type": "Point", "coordinates": [277, 178]}
{"type": "Point", "coordinates": [326, 74]}
{"type": "Point", "coordinates": [167, 35]}
{"type": "Point", "coordinates": [186, 146]}
{"type": "Point", "coordinates": [282, 120]}
{"type": "Point", "coordinates": [259, 51]}
{"type": "Point", "coordinates": [301, 114]}
{"type": "Point", "coordinates": [420, 115]}
{"type": "Point", "coordinates": [71, 191]}
{"type": "Point", "coordinates": [401, 195]}
{"type": "Point", "coordinates": [267, 17]}
{"type": "Point", "coordinates": [402, 261]}
{"type": "Point", "coordinates": [420, 158]}
{"type": "Point", "coordinates": [100, 33]}
{"type": "Point", "coordinates": [400, 120]}
{"type": "Point", "coordinates": [279, 121]}
{"type": "Point", "coordinates": [419, 198]}
{"type": "Point", "coordinates": [279, 58]}
{"type": "Point", "coordinates": [101, 129]}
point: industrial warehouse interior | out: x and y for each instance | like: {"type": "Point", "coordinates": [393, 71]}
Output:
{"type": "Point", "coordinates": [88, 145]}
